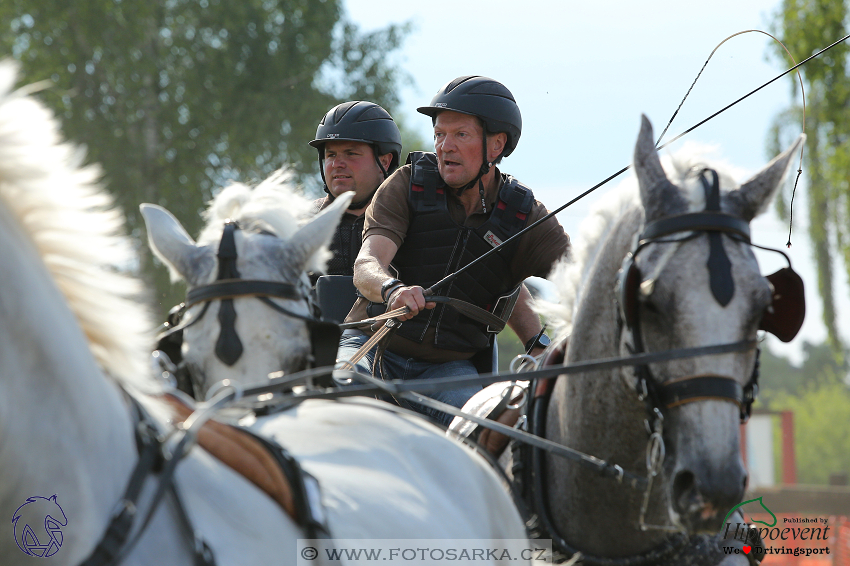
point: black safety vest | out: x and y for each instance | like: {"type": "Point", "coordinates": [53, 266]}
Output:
{"type": "Point", "coordinates": [345, 245]}
{"type": "Point", "coordinates": [435, 246]}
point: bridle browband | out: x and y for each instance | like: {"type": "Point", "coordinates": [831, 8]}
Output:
{"type": "Point", "coordinates": [233, 288]}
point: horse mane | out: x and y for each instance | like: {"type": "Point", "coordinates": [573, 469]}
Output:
{"type": "Point", "coordinates": [276, 205]}
{"type": "Point", "coordinates": [77, 231]}
{"type": "Point", "coordinates": [570, 274]}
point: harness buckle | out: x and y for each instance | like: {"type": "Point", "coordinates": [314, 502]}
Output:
{"type": "Point", "coordinates": [642, 389]}
{"type": "Point", "coordinates": [655, 453]}
{"type": "Point", "coordinates": [522, 423]}
{"type": "Point", "coordinates": [620, 473]}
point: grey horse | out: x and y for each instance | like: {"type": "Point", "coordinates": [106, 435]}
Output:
{"type": "Point", "coordinates": [702, 475]}
{"type": "Point", "coordinates": [662, 297]}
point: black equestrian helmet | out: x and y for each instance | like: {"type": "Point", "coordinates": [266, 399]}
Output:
{"type": "Point", "coordinates": [485, 98]}
{"type": "Point", "coordinates": [361, 122]}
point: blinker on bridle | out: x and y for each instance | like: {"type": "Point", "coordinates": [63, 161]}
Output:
{"type": "Point", "coordinates": [783, 317]}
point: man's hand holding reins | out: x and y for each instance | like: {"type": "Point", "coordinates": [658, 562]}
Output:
{"type": "Point", "coordinates": [412, 297]}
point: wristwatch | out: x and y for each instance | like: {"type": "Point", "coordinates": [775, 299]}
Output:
{"type": "Point", "coordinates": [388, 286]}
{"type": "Point", "coordinates": [541, 341]}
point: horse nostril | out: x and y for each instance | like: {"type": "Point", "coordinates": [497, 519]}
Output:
{"type": "Point", "coordinates": [684, 490]}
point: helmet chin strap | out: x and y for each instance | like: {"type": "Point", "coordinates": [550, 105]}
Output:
{"type": "Point", "coordinates": [485, 168]}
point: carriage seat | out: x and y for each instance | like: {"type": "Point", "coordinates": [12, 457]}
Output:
{"type": "Point", "coordinates": [336, 295]}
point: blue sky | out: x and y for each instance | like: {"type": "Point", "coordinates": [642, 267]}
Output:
{"type": "Point", "coordinates": [583, 73]}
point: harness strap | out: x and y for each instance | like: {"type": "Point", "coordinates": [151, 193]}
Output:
{"type": "Point", "coordinates": [242, 453]}
{"type": "Point", "coordinates": [472, 311]}
{"type": "Point", "coordinates": [228, 346]}
{"type": "Point", "coordinates": [306, 495]}
{"type": "Point", "coordinates": [121, 523]}
{"type": "Point", "coordinates": [602, 467]}
{"type": "Point", "coordinates": [699, 387]}
{"type": "Point", "coordinates": [203, 553]}
{"type": "Point", "coordinates": [696, 222]}
{"type": "Point", "coordinates": [370, 321]}
{"type": "Point", "coordinates": [719, 266]}
{"type": "Point", "coordinates": [438, 384]}
{"type": "Point", "coordinates": [114, 546]}
{"type": "Point", "coordinates": [539, 505]}
{"type": "Point", "coordinates": [234, 288]}
{"type": "Point", "coordinates": [368, 344]}
{"type": "Point", "coordinates": [468, 309]}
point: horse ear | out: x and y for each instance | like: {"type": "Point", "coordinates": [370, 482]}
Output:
{"type": "Point", "coordinates": [170, 243]}
{"type": "Point", "coordinates": [660, 197]}
{"type": "Point", "coordinates": [755, 195]}
{"type": "Point", "coordinates": [306, 244]}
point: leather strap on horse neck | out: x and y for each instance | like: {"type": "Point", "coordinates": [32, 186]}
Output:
{"type": "Point", "coordinates": [114, 546]}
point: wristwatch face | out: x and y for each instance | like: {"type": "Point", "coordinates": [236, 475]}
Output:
{"type": "Point", "coordinates": [543, 341]}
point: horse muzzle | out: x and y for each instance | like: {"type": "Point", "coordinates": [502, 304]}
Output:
{"type": "Point", "coordinates": [701, 500]}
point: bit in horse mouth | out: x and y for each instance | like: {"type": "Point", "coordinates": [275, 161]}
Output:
{"type": "Point", "coordinates": [708, 512]}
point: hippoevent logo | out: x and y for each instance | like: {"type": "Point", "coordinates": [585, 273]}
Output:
{"type": "Point", "coordinates": [38, 526]}
{"type": "Point", "coordinates": [799, 539]}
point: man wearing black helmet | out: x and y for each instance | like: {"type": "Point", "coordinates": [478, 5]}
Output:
{"type": "Point", "coordinates": [359, 145]}
{"type": "Point", "coordinates": [438, 213]}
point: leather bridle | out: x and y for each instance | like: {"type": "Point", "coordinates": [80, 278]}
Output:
{"type": "Point", "coordinates": [661, 397]}
{"type": "Point", "coordinates": [324, 336]}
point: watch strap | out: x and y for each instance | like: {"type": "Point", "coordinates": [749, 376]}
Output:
{"type": "Point", "coordinates": [535, 342]}
{"type": "Point", "coordinates": [388, 286]}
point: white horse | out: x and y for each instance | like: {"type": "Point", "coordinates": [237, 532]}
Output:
{"type": "Point", "coordinates": [275, 242]}
{"type": "Point", "coordinates": [74, 346]}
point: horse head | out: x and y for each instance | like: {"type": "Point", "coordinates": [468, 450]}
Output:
{"type": "Point", "coordinates": [248, 309]}
{"type": "Point", "coordinates": [692, 280]}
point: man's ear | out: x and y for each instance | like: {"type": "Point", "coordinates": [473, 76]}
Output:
{"type": "Point", "coordinates": [386, 159]}
{"type": "Point", "coordinates": [495, 145]}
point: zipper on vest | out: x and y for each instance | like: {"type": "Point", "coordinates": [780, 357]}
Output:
{"type": "Point", "coordinates": [463, 242]}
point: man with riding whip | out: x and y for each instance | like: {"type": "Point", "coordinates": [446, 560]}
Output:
{"type": "Point", "coordinates": [437, 214]}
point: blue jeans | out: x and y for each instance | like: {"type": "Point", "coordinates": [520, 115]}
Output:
{"type": "Point", "coordinates": [398, 367]}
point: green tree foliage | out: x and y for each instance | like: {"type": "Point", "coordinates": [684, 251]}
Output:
{"type": "Point", "coordinates": [818, 393]}
{"type": "Point", "coordinates": [805, 26]}
{"type": "Point", "coordinates": [821, 434]}
{"type": "Point", "coordinates": [510, 347]}
{"type": "Point", "coordinates": [779, 377]}
{"type": "Point", "coordinates": [175, 98]}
